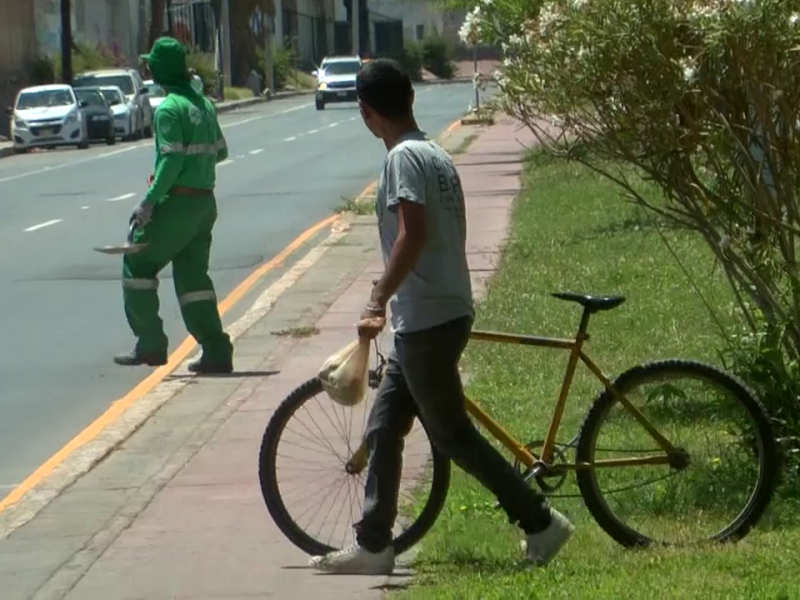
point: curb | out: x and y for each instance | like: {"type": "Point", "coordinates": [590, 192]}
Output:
{"type": "Point", "coordinates": [224, 107]}
{"type": "Point", "coordinates": [4, 152]}
{"type": "Point", "coordinates": [463, 79]}
{"type": "Point", "coordinates": [82, 458]}
{"type": "Point", "coordinates": [85, 456]}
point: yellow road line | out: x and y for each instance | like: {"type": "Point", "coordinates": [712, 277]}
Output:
{"type": "Point", "coordinates": [453, 126]}
{"type": "Point", "coordinates": [116, 410]}
{"type": "Point", "coordinates": [150, 382]}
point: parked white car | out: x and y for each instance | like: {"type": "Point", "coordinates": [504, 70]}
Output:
{"type": "Point", "coordinates": [156, 93]}
{"type": "Point", "coordinates": [124, 121]}
{"type": "Point", "coordinates": [134, 89]}
{"type": "Point", "coordinates": [47, 116]}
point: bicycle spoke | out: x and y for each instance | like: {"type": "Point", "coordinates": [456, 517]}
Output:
{"type": "Point", "coordinates": [308, 460]}
{"type": "Point", "coordinates": [712, 476]}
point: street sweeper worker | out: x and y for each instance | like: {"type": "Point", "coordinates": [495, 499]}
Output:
{"type": "Point", "coordinates": [175, 221]}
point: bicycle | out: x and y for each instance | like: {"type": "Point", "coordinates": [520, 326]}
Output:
{"type": "Point", "coordinates": [545, 463]}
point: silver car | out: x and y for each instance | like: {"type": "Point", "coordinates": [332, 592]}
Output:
{"type": "Point", "coordinates": [135, 96]}
{"type": "Point", "coordinates": [124, 126]}
{"type": "Point", "coordinates": [336, 80]}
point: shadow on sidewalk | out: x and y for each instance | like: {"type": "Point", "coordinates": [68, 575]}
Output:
{"type": "Point", "coordinates": [399, 572]}
{"type": "Point", "coordinates": [489, 163]}
{"type": "Point", "coordinates": [391, 587]}
{"type": "Point", "coordinates": [496, 192]}
{"type": "Point", "coordinates": [234, 375]}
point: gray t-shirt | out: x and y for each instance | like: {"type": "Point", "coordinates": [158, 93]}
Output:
{"type": "Point", "coordinates": [438, 288]}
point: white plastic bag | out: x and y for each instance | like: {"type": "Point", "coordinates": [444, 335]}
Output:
{"type": "Point", "coordinates": [345, 375]}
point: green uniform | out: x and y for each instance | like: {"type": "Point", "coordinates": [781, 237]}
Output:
{"type": "Point", "coordinates": [188, 145]}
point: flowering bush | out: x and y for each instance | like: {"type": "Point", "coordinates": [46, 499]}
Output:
{"type": "Point", "coordinates": [701, 97]}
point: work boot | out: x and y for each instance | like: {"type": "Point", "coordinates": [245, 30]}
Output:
{"type": "Point", "coordinates": [136, 359]}
{"type": "Point", "coordinates": [204, 366]}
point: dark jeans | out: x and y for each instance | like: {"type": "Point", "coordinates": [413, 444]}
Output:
{"type": "Point", "coordinates": [422, 380]}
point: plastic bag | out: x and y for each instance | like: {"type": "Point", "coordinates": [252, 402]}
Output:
{"type": "Point", "coordinates": [345, 375]}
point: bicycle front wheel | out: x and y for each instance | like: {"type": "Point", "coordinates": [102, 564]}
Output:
{"type": "Point", "coordinates": [311, 488]}
{"type": "Point", "coordinates": [715, 487]}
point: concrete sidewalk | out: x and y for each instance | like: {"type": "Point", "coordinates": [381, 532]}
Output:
{"type": "Point", "coordinates": [176, 510]}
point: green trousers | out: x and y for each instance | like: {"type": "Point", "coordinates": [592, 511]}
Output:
{"type": "Point", "coordinates": [178, 233]}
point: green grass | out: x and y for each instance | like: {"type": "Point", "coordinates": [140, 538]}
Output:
{"type": "Point", "coordinates": [297, 332]}
{"type": "Point", "coordinates": [359, 206]}
{"type": "Point", "coordinates": [237, 93]}
{"type": "Point", "coordinates": [572, 232]}
{"type": "Point", "coordinates": [464, 144]}
{"type": "Point", "coordinates": [300, 80]}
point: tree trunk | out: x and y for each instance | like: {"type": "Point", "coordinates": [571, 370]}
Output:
{"type": "Point", "coordinates": [157, 8]}
{"type": "Point", "coordinates": [243, 42]}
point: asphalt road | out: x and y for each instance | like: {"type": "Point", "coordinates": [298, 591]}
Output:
{"type": "Point", "coordinates": [61, 305]}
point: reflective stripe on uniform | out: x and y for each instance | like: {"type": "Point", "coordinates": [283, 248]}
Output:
{"type": "Point", "coordinates": [201, 296]}
{"type": "Point", "coordinates": [140, 284]}
{"type": "Point", "coordinates": [194, 149]}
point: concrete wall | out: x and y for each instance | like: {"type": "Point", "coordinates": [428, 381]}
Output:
{"type": "Point", "coordinates": [302, 21]}
{"type": "Point", "coordinates": [17, 42]}
{"type": "Point", "coordinates": [420, 19]}
{"type": "Point", "coordinates": [32, 28]}
{"type": "Point", "coordinates": [17, 49]}
{"type": "Point", "coordinates": [112, 23]}
{"type": "Point", "coordinates": [48, 25]}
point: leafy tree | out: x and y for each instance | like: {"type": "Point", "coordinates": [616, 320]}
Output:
{"type": "Point", "coordinates": [699, 97]}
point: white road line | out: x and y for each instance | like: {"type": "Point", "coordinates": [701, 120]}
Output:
{"type": "Point", "coordinates": [84, 207]}
{"type": "Point", "coordinates": [334, 124]}
{"type": "Point", "coordinates": [259, 117]}
{"type": "Point", "coordinates": [290, 139]}
{"type": "Point", "coordinates": [258, 151]}
{"type": "Point", "coordinates": [313, 131]}
{"type": "Point", "coordinates": [82, 459]}
{"type": "Point", "coordinates": [43, 225]}
{"type": "Point", "coordinates": [142, 145]}
{"type": "Point", "coordinates": [119, 198]}
{"type": "Point", "coordinates": [225, 163]}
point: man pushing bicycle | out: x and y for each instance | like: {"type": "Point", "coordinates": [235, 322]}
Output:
{"type": "Point", "coordinates": [426, 283]}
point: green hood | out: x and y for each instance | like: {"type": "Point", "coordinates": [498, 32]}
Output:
{"type": "Point", "coordinates": [167, 62]}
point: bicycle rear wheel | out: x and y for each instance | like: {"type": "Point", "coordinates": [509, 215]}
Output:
{"type": "Point", "coordinates": [321, 437]}
{"type": "Point", "coordinates": [712, 495]}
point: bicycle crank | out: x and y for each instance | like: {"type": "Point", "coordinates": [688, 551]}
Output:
{"type": "Point", "coordinates": [550, 477]}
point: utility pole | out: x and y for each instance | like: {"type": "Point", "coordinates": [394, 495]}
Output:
{"type": "Point", "coordinates": [269, 73]}
{"type": "Point", "coordinates": [170, 29]}
{"type": "Point", "coordinates": [66, 42]}
{"type": "Point", "coordinates": [355, 15]}
{"type": "Point", "coordinates": [226, 44]}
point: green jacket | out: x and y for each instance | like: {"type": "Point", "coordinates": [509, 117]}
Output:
{"type": "Point", "coordinates": [188, 139]}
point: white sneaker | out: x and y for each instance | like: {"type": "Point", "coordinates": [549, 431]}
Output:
{"type": "Point", "coordinates": [355, 560]}
{"type": "Point", "coordinates": [540, 548]}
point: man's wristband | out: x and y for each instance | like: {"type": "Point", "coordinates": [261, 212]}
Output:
{"type": "Point", "coordinates": [374, 309]}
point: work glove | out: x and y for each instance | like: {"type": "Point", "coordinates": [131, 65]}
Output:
{"type": "Point", "coordinates": [142, 214]}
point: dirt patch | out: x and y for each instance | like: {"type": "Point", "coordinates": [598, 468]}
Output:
{"type": "Point", "coordinates": [466, 68]}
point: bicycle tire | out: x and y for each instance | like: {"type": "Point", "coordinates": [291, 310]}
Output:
{"type": "Point", "coordinates": [763, 491]}
{"type": "Point", "coordinates": [277, 509]}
